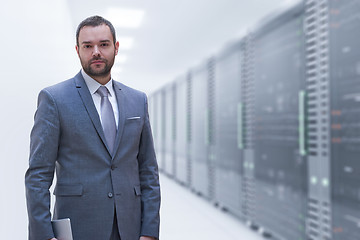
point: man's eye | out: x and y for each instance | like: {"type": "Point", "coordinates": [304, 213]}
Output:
{"type": "Point", "coordinates": [104, 44]}
{"type": "Point", "coordinates": [87, 46]}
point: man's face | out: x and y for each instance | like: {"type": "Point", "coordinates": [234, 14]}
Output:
{"type": "Point", "coordinates": [96, 50]}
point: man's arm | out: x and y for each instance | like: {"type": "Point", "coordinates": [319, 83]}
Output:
{"type": "Point", "coordinates": [44, 141]}
{"type": "Point", "coordinates": [149, 180]}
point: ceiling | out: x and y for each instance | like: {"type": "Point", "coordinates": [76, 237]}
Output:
{"type": "Point", "coordinates": [175, 35]}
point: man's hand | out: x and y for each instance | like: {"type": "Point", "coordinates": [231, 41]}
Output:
{"type": "Point", "coordinates": [146, 238]}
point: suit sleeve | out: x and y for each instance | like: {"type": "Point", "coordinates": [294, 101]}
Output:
{"type": "Point", "coordinates": [44, 141]}
{"type": "Point", "coordinates": [149, 180]}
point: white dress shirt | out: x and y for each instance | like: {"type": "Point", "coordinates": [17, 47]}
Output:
{"type": "Point", "coordinates": [93, 86]}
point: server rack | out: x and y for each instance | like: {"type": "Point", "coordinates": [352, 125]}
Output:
{"type": "Point", "coordinates": [228, 134]}
{"type": "Point", "coordinates": [159, 121]}
{"type": "Point", "coordinates": [344, 62]}
{"type": "Point", "coordinates": [152, 115]}
{"type": "Point", "coordinates": [169, 126]}
{"type": "Point", "coordinates": [189, 120]}
{"type": "Point", "coordinates": [151, 110]}
{"type": "Point", "coordinates": [199, 132]}
{"type": "Point", "coordinates": [296, 126]}
{"type": "Point", "coordinates": [318, 101]}
{"type": "Point", "coordinates": [279, 133]}
{"type": "Point", "coordinates": [247, 99]}
{"type": "Point", "coordinates": [182, 168]}
{"type": "Point", "coordinates": [152, 99]}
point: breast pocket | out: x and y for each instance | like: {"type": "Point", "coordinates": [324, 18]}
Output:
{"type": "Point", "coordinates": [132, 131]}
{"type": "Point", "coordinates": [133, 118]}
{"type": "Point", "coordinates": [133, 125]}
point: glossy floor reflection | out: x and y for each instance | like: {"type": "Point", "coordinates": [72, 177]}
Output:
{"type": "Point", "coordinates": [184, 215]}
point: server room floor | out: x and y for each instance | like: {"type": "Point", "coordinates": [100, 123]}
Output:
{"type": "Point", "coordinates": [184, 215]}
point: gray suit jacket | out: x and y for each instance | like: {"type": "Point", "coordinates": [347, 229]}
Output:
{"type": "Point", "coordinates": [67, 138]}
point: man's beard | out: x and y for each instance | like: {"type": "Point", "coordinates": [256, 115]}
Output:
{"type": "Point", "coordinates": [94, 73]}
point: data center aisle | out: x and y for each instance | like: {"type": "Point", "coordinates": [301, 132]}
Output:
{"type": "Point", "coordinates": [184, 215]}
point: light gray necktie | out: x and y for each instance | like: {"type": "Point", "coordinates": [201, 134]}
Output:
{"type": "Point", "coordinates": [107, 118]}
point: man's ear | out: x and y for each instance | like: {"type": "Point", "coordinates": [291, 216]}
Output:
{"type": "Point", "coordinates": [77, 50]}
{"type": "Point", "coordinates": [116, 47]}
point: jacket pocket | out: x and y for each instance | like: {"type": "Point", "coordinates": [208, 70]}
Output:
{"type": "Point", "coordinates": [68, 190]}
{"type": "Point", "coordinates": [133, 118]}
{"type": "Point", "coordinates": [137, 190]}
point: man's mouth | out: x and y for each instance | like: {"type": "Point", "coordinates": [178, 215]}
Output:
{"type": "Point", "coordinates": [97, 62]}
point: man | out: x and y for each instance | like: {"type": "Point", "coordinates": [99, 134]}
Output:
{"type": "Point", "coordinates": [95, 134]}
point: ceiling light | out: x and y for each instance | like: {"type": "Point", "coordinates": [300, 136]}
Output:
{"type": "Point", "coordinates": [125, 18]}
{"type": "Point", "coordinates": [125, 43]}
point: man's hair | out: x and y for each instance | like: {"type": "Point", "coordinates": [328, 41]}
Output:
{"type": "Point", "coordinates": [95, 21]}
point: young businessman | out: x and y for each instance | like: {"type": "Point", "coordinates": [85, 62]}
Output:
{"type": "Point", "coordinates": [95, 134]}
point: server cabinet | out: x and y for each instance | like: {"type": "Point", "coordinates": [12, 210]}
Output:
{"type": "Point", "coordinates": [158, 127]}
{"type": "Point", "coordinates": [152, 117]}
{"type": "Point", "coordinates": [246, 139]}
{"type": "Point", "coordinates": [169, 123]}
{"type": "Point", "coordinates": [153, 114]}
{"type": "Point", "coordinates": [199, 135]}
{"type": "Point", "coordinates": [280, 162]}
{"type": "Point", "coordinates": [151, 110]}
{"type": "Point", "coordinates": [345, 117]}
{"type": "Point", "coordinates": [318, 101]}
{"type": "Point", "coordinates": [182, 163]}
{"type": "Point", "coordinates": [228, 135]}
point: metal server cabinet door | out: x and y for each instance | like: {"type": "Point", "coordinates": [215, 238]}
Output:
{"type": "Point", "coordinates": [280, 167]}
{"type": "Point", "coordinates": [317, 84]}
{"type": "Point", "coordinates": [158, 128]}
{"type": "Point", "coordinates": [151, 107]}
{"type": "Point", "coordinates": [163, 128]}
{"type": "Point", "coordinates": [345, 118]}
{"type": "Point", "coordinates": [181, 139]}
{"type": "Point", "coordinates": [198, 145]}
{"type": "Point", "coordinates": [153, 101]}
{"type": "Point", "coordinates": [169, 138]}
{"type": "Point", "coordinates": [152, 117]}
{"type": "Point", "coordinates": [228, 143]}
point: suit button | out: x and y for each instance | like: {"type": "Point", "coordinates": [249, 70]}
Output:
{"type": "Point", "coordinates": [113, 167]}
{"type": "Point", "coordinates": [110, 195]}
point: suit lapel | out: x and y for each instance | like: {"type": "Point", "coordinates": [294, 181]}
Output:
{"type": "Point", "coordinates": [89, 105]}
{"type": "Point", "coordinates": [120, 97]}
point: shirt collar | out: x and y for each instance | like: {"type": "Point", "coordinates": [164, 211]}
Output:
{"type": "Point", "coordinates": [94, 85]}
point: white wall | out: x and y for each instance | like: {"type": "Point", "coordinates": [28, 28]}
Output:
{"type": "Point", "coordinates": [37, 50]}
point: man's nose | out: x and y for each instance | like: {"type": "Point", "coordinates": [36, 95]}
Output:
{"type": "Point", "coordinates": [96, 51]}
